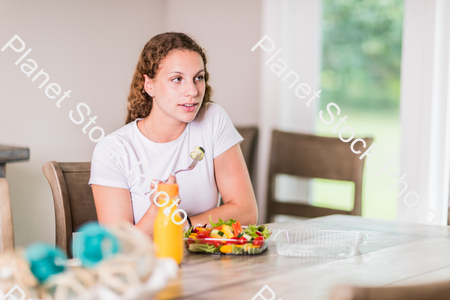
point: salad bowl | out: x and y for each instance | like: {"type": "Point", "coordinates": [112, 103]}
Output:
{"type": "Point", "coordinates": [227, 238]}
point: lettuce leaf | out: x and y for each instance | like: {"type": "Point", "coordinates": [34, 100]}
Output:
{"type": "Point", "coordinates": [237, 250]}
{"type": "Point", "coordinates": [263, 229]}
{"type": "Point", "coordinates": [188, 232]}
{"type": "Point", "coordinates": [221, 222]}
{"type": "Point", "coordinates": [202, 248]}
{"type": "Point", "coordinates": [251, 231]}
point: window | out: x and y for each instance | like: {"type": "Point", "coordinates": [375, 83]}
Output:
{"type": "Point", "coordinates": [361, 56]}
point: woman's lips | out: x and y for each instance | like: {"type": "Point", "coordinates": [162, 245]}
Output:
{"type": "Point", "coordinates": [188, 106]}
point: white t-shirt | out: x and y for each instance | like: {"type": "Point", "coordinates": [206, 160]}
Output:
{"type": "Point", "coordinates": [127, 159]}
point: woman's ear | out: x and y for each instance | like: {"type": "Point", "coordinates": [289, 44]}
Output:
{"type": "Point", "coordinates": [148, 85]}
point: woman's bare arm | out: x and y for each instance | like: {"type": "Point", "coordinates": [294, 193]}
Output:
{"type": "Point", "coordinates": [114, 205]}
{"type": "Point", "coordinates": [235, 187]}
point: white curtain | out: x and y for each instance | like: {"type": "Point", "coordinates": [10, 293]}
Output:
{"type": "Point", "coordinates": [425, 112]}
{"type": "Point", "coordinates": [294, 27]}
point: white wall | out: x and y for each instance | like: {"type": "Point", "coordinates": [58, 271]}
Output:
{"type": "Point", "coordinates": [91, 48]}
{"type": "Point", "coordinates": [227, 30]}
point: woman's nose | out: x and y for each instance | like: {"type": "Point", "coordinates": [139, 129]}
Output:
{"type": "Point", "coordinates": [191, 89]}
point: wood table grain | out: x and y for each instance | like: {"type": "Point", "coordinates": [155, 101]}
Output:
{"type": "Point", "coordinates": [394, 253]}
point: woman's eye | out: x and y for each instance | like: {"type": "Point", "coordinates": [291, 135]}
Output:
{"type": "Point", "coordinates": [176, 79]}
{"type": "Point", "coordinates": [200, 77]}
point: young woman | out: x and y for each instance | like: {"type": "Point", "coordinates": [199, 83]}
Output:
{"type": "Point", "coordinates": [170, 113]}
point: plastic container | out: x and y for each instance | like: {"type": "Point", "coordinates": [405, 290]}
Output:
{"type": "Point", "coordinates": [317, 243]}
{"type": "Point", "coordinates": [168, 236]}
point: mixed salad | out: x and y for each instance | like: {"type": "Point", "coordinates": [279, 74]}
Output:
{"type": "Point", "coordinates": [227, 237]}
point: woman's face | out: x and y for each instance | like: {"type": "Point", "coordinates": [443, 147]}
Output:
{"type": "Point", "coordinates": [179, 85]}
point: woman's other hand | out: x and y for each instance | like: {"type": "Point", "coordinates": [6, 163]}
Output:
{"type": "Point", "coordinates": [148, 219]}
{"type": "Point", "coordinates": [172, 179]}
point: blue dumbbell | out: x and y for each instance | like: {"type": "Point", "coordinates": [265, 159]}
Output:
{"type": "Point", "coordinates": [45, 260]}
{"type": "Point", "coordinates": [94, 243]}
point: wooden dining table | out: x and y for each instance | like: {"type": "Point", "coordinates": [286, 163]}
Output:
{"type": "Point", "coordinates": [392, 254]}
{"type": "Point", "coordinates": [11, 154]}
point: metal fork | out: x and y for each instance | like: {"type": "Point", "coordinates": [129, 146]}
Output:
{"type": "Point", "coordinates": [191, 166]}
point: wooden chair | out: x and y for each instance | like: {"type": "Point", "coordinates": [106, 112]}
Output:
{"type": "Point", "coordinates": [6, 223]}
{"type": "Point", "coordinates": [313, 156]}
{"type": "Point", "coordinates": [435, 291]}
{"type": "Point", "coordinates": [248, 145]}
{"type": "Point", "coordinates": [73, 199]}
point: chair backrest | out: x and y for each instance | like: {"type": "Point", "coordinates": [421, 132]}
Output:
{"type": "Point", "coordinates": [248, 145]}
{"type": "Point", "coordinates": [436, 291]}
{"type": "Point", "coordinates": [312, 156]}
{"type": "Point", "coordinates": [6, 223]}
{"type": "Point", "coordinates": [72, 197]}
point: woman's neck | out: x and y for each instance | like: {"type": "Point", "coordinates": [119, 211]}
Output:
{"type": "Point", "coordinates": [160, 129]}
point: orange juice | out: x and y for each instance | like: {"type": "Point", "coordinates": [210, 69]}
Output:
{"type": "Point", "coordinates": [168, 236]}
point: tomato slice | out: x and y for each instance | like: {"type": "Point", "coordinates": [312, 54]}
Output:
{"type": "Point", "coordinates": [204, 233]}
{"type": "Point", "coordinates": [242, 241]}
{"type": "Point", "coordinates": [258, 241]}
{"type": "Point", "coordinates": [214, 243]}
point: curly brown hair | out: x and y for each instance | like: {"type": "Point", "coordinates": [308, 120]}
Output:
{"type": "Point", "coordinates": [159, 46]}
